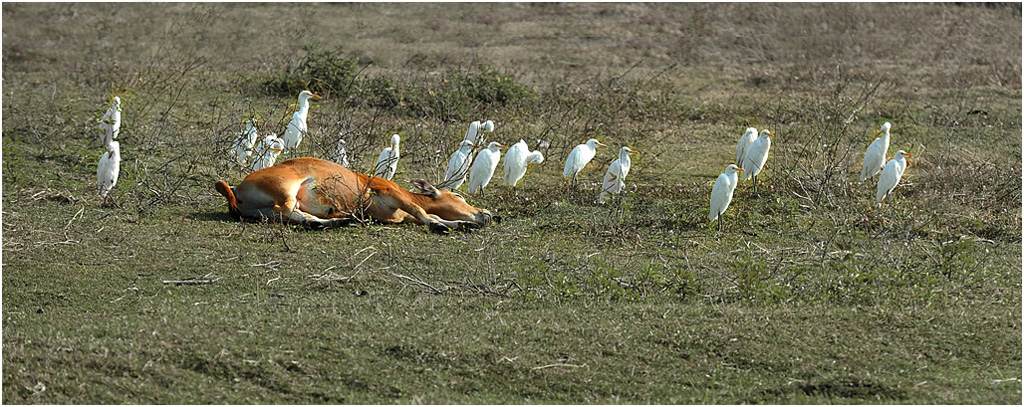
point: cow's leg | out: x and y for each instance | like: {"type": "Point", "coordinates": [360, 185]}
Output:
{"type": "Point", "coordinates": [318, 210]}
{"type": "Point", "coordinates": [292, 209]}
{"type": "Point", "coordinates": [388, 209]}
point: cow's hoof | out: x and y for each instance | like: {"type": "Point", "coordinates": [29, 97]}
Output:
{"type": "Point", "coordinates": [439, 229]}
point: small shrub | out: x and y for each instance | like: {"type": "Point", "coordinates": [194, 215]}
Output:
{"type": "Point", "coordinates": [489, 86]}
{"type": "Point", "coordinates": [325, 71]}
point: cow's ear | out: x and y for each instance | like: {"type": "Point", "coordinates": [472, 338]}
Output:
{"type": "Point", "coordinates": [424, 187]}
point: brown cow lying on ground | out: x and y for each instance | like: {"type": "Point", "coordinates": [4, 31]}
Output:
{"type": "Point", "coordinates": [319, 194]}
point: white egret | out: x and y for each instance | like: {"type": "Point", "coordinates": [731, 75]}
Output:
{"type": "Point", "coordinates": [488, 126]}
{"type": "Point", "coordinates": [517, 159]}
{"type": "Point", "coordinates": [483, 167]}
{"type": "Point", "coordinates": [387, 161]}
{"type": "Point", "coordinates": [269, 150]}
{"type": "Point", "coordinates": [340, 155]}
{"type": "Point", "coordinates": [891, 175]}
{"type": "Point", "coordinates": [745, 140]}
{"type": "Point", "coordinates": [756, 155]}
{"type": "Point", "coordinates": [614, 178]}
{"type": "Point", "coordinates": [458, 166]}
{"type": "Point", "coordinates": [110, 166]}
{"type": "Point", "coordinates": [110, 124]}
{"type": "Point", "coordinates": [579, 157]}
{"type": "Point", "coordinates": [241, 149]}
{"type": "Point", "coordinates": [721, 193]}
{"type": "Point", "coordinates": [472, 132]}
{"type": "Point", "coordinates": [874, 157]}
{"type": "Point", "coordinates": [297, 126]}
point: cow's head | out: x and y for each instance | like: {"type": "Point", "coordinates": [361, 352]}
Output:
{"type": "Point", "coordinates": [451, 206]}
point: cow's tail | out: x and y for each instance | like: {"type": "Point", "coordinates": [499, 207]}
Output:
{"type": "Point", "coordinates": [225, 190]}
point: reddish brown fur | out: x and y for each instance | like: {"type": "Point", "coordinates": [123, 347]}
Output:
{"type": "Point", "coordinates": [321, 193]}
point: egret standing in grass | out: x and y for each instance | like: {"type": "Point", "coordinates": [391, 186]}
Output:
{"type": "Point", "coordinates": [756, 155]}
{"type": "Point", "coordinates": [874, 157]}
{"type": "Point", "coordinates": [110, 166]}
{"type": "Point", "coordinates": [340, 156]}
{"type": "Point", "coordinates": [110, 124]}
{"type": "Point", "coordinates": [891, 175]}
{"type": "Point", "coordinates": [476, 130]}
{"type": "Point", "coordinates": [472, 131]}
{"type": "Point", "coordinates": [483, 167]}
{"type": "Point", "coordinates": [721, 193]}
{"type": "Point", "coordinates": [517, 159]}
{"type": "Point", "coordinates": [615, 178]}
{"type": "Point", "coordinates": [297, 126]}
{"type": "Point", "coordinates": [741, 147]}
{"type": "Point", "coordinates": [458, 166]}
{"type": "Point", "coordinates": [241, 149]}
{"type": "Point", "coordinates": [269, 150]}
{"type": "Point", "coordinates": [579, 157]}
{"type": "Point", "coordinates": [387, 161]}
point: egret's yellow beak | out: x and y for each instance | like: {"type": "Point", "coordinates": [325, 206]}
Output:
{"type": "Point", "coordinates": [740, 169]}
{"type": "Point", "coordinates": [503, 146]}
{"type": "Point", "coordinates": [316, 96]}
{"type": "Point", "coordinates": [602, 144]}
{"type": "Point", "coordinates": [634, 152]}
{"type": "Point", "coordinates": [908, 155]}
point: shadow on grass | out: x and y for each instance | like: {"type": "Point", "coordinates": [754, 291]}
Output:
{"type": "Point", "coordinates": [212, 216]}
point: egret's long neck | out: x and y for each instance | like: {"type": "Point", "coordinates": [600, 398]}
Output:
{"type": "Point", "coordinates": [303, 106]}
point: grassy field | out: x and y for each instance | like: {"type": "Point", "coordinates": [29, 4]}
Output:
{"type": "Point", "coordinates": [812, 294]}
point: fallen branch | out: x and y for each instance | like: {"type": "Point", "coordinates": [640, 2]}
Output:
{"type": "Point", "coordinates": [559, 365]}
{"type": "Point", "coordinates": [191, 282]}
{"type": "Point", "coordinates": [418, 282]}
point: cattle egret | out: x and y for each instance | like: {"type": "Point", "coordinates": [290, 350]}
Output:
{"type": "Point", "coordinates": [517, 159]}
{"type": "Point", "coordinates": [756, 155]}
{"type": "Point", "coordinates": [489, 126]}
{"type": "Point", "coordinates": [579, 157]}
{"type": "Point", "coordinates": [745, 140]}
{"type": "Point", "coordinates": [297, 126]}
{"type": "Point", "coordinates": [721, 193]}
{"type": "Point", "coordinates": [614, 178]}
{"type": "Point", "coordinates": [874, 157]}
{"type": "Point", "coordinates": [891, 175]}
{"type": "Point", "coordinates": [483, 167]}
{"type": "Point", "coordinates": [110, 125]}
{"type": "Point", "coordinates": [387, 161]}
{"type": "Point", "coordinates": [472, 132]}
{"type": "Point", "coordinates": [110, 165]}
{"type": "Point", "coordinates": [269, 150]}
{"type": "Point", "coordinates": [458, 166]}
{"type": "Point", "coordinates": [340, 155]}
{"type": "Point", "coordinates": [241, 149]}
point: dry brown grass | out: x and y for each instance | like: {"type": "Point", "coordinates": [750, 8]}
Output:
{"type": "Point", "coordinates": [812, 295]}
